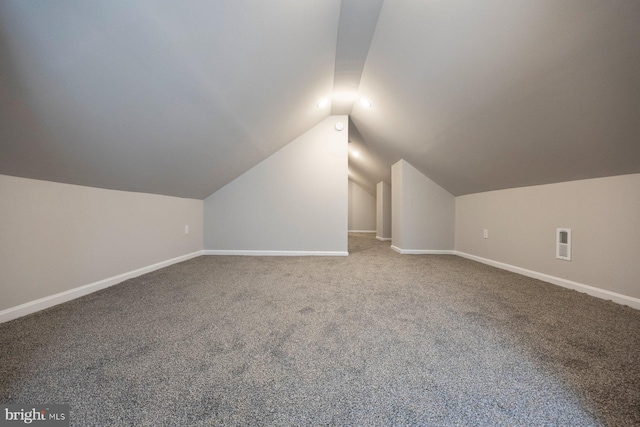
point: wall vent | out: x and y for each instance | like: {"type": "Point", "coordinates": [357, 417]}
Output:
{"type": "Point", "coordinates": [563, 243]}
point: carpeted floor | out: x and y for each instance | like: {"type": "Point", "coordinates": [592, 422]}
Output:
{"type": "Point", "coordinates": [375, 338]}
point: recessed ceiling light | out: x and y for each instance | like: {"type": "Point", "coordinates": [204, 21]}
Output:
{"type": "Point", "coordinates": [365, 103]}
{"type": "Point", "coordinates": [323, 102]}
{"type": "Point", "coordinates": [356, 153]}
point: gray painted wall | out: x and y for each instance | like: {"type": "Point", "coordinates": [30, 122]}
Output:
{"type": "Point", "coordinates": [362, 209]}
{"type": "Point", "coordinates": [422, 211]}
{"type": "Point", "coordinates": [56, 237]}
{"type": "Point", "coordinates": [295, 200]}
{"type": "Point", "coordinates": [383, 210]}
{"type": "Point", "coordinates": [603, 213]}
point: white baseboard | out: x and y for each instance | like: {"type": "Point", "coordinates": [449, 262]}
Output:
{"type": "Point", "coordinates": [383, 239]}
{"type": "Point", "coordinates": [51, 300]}
{"type": "Point", "coordinates": [273, 253]}
{"type": "Point", "coordinates": [422, 251]}
{"type": "Point", "coordinates": [596, 292]}
{"type": "Point", "coordinates": [362, 231]}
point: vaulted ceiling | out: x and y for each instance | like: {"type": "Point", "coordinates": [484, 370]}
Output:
{"type": "Point", "coordinates": [180, 98]}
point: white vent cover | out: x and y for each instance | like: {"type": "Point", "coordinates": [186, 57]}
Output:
{"type": "Point", "coordinates": [563, 243]}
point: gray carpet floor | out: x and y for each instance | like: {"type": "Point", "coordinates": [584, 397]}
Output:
{"type": "Point", "coordinates": [375, 338]}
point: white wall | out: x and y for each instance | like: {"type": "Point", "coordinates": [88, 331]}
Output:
{"type": "Point", "coordinates": [422, 212]}
{"type": "Point", "coordinates": [396, 205]}
{"type": "Point", "coordinates": [362, 209]}
{"type": "Point", "coordinates": [57, 237]}
{"type": "Point", "coordinates": [603, 213]}
{"type": "Point", "coordinates": [295, 200]}
{"type": "Point", "coordinates": [383, 211]}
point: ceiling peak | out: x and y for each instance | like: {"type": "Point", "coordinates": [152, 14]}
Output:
{"type": "Point", "coordinates": [358, 19]}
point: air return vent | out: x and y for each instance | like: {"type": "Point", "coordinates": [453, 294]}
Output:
{"type": "Point", "coordinates": [563, 243]}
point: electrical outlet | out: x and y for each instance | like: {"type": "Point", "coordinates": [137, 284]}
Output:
{"type": "Point", "coordinates": [485, 233]}
{"type": "Point", "coordinates": [186, 229]}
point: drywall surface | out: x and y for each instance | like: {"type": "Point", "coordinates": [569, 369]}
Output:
{"type": "Point", "coordinates": [56, 237]}
{"type": "Point", "coordinates": [383, 210]}
{"type": "Point", "coordinates": [396, 205]}
{"type": "Point", "coordinates": [362, 209]}
{"type": "Point", "coordinates": [603, 214]}
{"type": "Point", "coordinates": [295, 200]}
{"type": "Point", "coordinates": [422, 211]}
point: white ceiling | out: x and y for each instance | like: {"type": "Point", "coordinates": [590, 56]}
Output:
{"type": "Point", "coordinates": [180, 98]}
{"type": "Point", "coordinates": [358, 20]}
{"type": "Point", "coordinates": [175, 98]}
{"type": "Point", "coordinates": [491, 94]}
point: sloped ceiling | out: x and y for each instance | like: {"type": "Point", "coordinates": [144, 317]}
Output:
{"type": "Point", "coordinates": [180, 98]}
{"type": "Point", "coordinates": [176, 98]}
{"type": "Point", "coordinates": [491, 94]}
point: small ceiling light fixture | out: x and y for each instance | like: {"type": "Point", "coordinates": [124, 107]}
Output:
{"type": "Point", "coordinates": [356, 153]}
{"type": "Point", "coordinates": [323, 102]}
{"type": "Point", "coordinates": [365, 103]}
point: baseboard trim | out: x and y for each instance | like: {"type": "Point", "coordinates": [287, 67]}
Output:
{"type": "Point", "coordinates": [273, 253]}
{"type": "Point", "coordinates": [580, 287]}
{"type": "Point", "coordinates": [362, 231]}
{"type": "Point", "coordinates": [422, 251]}
{"type": "Point", "coordinates": [383, 239]}
{"type": "Point", "coordinates": [59, 298]}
